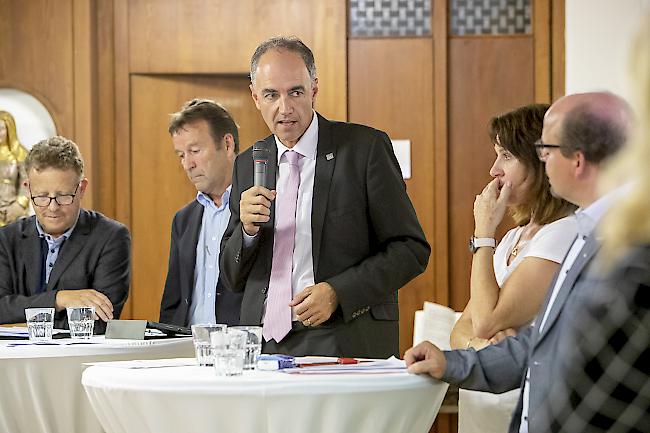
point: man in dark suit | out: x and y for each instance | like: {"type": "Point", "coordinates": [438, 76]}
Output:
{"type": "Point", "coordinates": [206, 142]}
{"type": "Point", "coordinates": [321, 253]}
{"type": "Point", "coordinates": [581, 132]}
{"type": "Point", "coordinates": [64, 256]}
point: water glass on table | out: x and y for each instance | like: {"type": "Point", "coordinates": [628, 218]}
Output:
{"type": "Point", "coordinates": [253, 345]}
{"type": "Point", "coordinates": [40, 322]}
{"type": "Point", "coordinates": [229, 350]}
{"type": "Point", "coordinates": [81, 321]}
{"type": "Point", "coordinates": [202, 346]}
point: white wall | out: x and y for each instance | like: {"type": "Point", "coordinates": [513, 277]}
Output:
{"type": "Point", "coordinates": [598, 35]}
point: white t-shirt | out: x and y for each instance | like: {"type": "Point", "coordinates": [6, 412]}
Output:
{"type": "Point", "coordinates": [551, 242]}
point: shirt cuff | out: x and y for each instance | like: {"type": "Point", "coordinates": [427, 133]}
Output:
{"type": "Point", "coordinates": [248, 239]}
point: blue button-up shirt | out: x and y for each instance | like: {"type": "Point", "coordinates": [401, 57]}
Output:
{"type": "Point", "coordinates": [53, 247]}
{"type": "Point", "coordinates": [206, 269]}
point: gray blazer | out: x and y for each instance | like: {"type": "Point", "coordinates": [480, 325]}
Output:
{"type": "Point", "coordinates": [96, 256]}
{"type": "Point", "coordinates": [503, 367]}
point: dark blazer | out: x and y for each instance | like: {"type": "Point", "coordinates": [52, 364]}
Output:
{"type": "Point", "coordinates": [179, 285]}
{"type": "Point", "coordinates": [366, 238]}
{"type": "Point", "coordinates": [503, 367]}
{"type": "Point", "coordinates": [96, 256]}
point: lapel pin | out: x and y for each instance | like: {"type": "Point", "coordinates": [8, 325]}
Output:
{"type": "Point", "coordinates": [329, 156]}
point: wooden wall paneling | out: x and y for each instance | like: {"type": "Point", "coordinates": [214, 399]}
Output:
{"type": "Point", "coordinates": [170, 36]}
{"type": "Point", "coordinates": [160, 187]}
{"type": "Point", "coordinates": [122, 119]}
{"type": "Point", "coordinates": [36, 55]}
{"type": "Point", "coordinates": [557, 50]}
{"type": "Point", "coordinates": [487, 76]}
{"type": "Point", "coordinates": [219, 36]}
{"type": "Point", "coordinates": [440, 247]}
{"type": "Point", "coordinates": [445, 423]}
{"type": "Point", "coordinates": [390, 88]}
{"type": "Point", "coordinates": [542, 42]}
{"type": "Point", "coordinates": [85, 89]}
{"type": "Point", "coordinates": [105, 111]}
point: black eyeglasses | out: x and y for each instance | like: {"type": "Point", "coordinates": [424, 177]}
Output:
{"type": "Point", "coordinates": [61, 199]}
{"type": "Point", "coordinates": [540, 147]}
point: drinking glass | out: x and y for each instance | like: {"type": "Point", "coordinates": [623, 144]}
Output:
{"type": "Point", "coordinates": [253, 345]}
{"type": "Point", "coordinates": [40, 322]}
{"type": "Point", "coordinates": [201, 336]}
{"type": "Point", "coordinates": [81, 321]}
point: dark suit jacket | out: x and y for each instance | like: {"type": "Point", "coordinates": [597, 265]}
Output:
{"type": "Point", "coordinates": [366, 239]}
{"type": "Point", "coordinates": [96, 256]}
{"type": "Point", "coordinates": [503, 367]}
{"type": "Point", "coordinates": [179, 286]}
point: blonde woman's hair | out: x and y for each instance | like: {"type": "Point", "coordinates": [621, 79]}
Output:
{"type": "Point", "coordinates": [628, 223]}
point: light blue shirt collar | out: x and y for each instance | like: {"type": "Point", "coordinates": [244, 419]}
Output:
{"type": "Point", "coordinates": [206, 201]}
{"type": "Point", "coordinates": [64, 236]}
{"type": "Point", "coordinates": [589, 217]}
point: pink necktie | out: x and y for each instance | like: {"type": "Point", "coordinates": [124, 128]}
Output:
{"type": "Point", "coordinates": [277, 321]}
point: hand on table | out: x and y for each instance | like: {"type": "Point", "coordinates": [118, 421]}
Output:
{"type": "Point", "coordinates": [85, 298]}
{"type": "Point", "coordinates": [315, 304]}
{"type": "Point", "coordinates": [490, 207]}
{"type": "Point", "coordinates": [425, 358]}
{"type": "Point", "coordinates": [255, 207]}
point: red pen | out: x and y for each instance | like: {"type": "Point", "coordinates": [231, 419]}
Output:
{"type": "Point", "coordinates": [337, 362]}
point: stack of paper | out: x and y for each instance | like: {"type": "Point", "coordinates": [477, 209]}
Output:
{"type": "Point", "coordinates": [434, 323]}
{"type": "Point", "coordinates": [381, 366]}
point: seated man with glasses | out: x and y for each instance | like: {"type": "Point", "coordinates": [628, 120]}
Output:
{"type": "Point", "coordinates": [64, 256]}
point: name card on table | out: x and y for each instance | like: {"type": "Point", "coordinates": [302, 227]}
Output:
{"type": "Point", "coordinates": [126, 329]}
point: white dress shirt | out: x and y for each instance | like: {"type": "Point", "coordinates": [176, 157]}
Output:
{"type": "Point", "coordinates": [302, 270]}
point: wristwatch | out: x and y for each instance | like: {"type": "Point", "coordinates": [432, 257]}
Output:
{"type": "Point", "coordinates": [476, 243]}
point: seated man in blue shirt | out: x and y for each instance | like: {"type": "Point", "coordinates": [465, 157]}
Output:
{"type": "Point", "coordinates": [206, 141]}
{"type": "Point", "coordinates": [64, 256]}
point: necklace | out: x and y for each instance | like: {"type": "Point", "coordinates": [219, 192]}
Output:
{"type": "Point", "coordinates": [520, 245]}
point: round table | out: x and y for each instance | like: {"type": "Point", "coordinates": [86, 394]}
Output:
{"type": "Point", "coordinates": [194, 399]}
{"type": "Point", "coordinates": [40, 385]}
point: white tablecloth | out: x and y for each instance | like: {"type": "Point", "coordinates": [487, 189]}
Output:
{"type": "Point", "coordinates": [193, 399]}
{"type": "Point", "coordinates": [40, 386]}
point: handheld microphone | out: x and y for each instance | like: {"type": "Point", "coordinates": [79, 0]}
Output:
{"type": "Point", "coordinates": [260, 163]}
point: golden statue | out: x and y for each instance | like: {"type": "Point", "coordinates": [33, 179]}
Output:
{"type": "Point", "coordinates": [14, 195]}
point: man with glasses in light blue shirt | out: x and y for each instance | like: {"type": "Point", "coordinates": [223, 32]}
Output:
{"type": "Point", "coordinates": [64, 256]}
{"type": "Point", "coordinates": [206, 141]}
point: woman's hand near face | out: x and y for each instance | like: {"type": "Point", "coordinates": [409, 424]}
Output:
{"type": "Point", "coordinates": [490, 207]}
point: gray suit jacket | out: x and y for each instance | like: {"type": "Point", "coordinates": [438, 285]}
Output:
{"type": "Point", "coordinates": [96, 256]}
{"type": "Point", "coordinates": [366, 239]}
{"type": "Point", "coordinates": [503, 367]}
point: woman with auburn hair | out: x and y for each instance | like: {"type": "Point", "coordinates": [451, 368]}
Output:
{"type": "Point", "coordinates": [14, 196]}
{"type": "Point", "coordinates": [509, 281]}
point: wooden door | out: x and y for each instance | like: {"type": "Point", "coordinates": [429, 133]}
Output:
{"type": "Point", "coordinates": [159, 186]}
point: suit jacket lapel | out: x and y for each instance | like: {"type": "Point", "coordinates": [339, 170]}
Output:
{"type": "Point", "coordinates": [70, 249]}
{"type": "Point", "coordinates": [30, 254]}
{"type": "Point", "coordinates": [585, 255]}
{"type": "Point", "coordinates": [322, 181]}
{"type": "Point", "coordinates": [188, 244]}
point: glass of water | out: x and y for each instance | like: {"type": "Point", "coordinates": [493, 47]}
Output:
{"type": "Point", "coordinates": [81, 321]}
{"type": "Point", "coordinates": [229, 350]}
{"type": "Point", "coordinates": [201, 337]}
{"type": "Point", "coordinates": [40, 322]}
{"type": "Point", "coordinates": [253, 345]}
